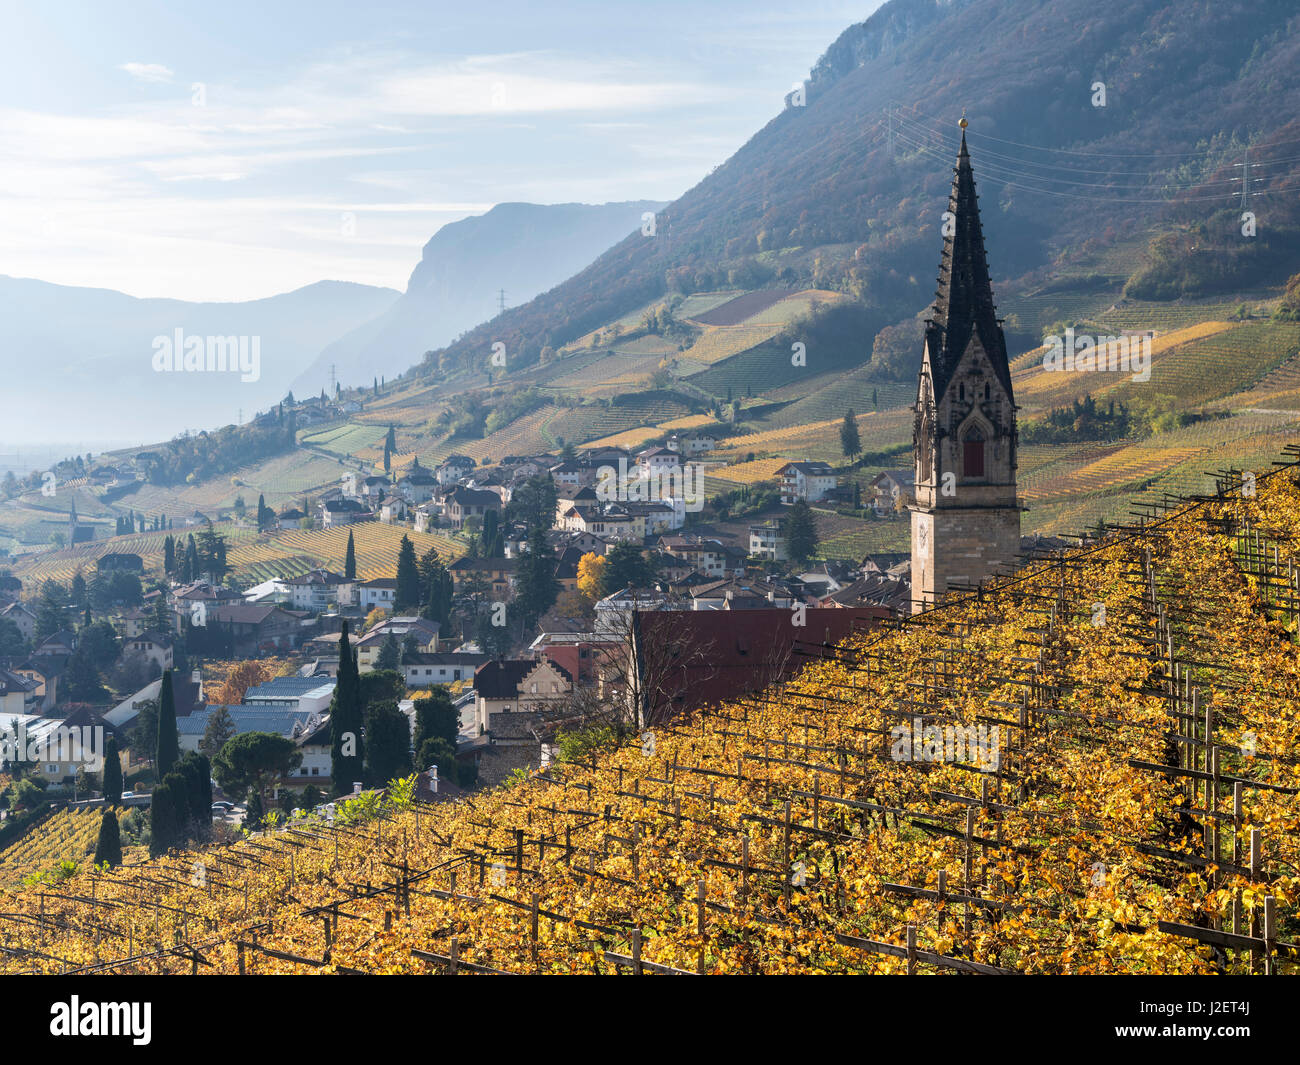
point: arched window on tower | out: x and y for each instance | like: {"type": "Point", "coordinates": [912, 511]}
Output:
{"type": "Point", "coordinates": [972, 453]}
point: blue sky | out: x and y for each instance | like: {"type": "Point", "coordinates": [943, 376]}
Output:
{"type": "Point", "coordinates": [236, 150]}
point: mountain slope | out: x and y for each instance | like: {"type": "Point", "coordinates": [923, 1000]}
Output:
{"type": "Point", "coordinates": [838, 193]}
{"type": "Point", "coordinates": [524, 248]}
{"type": "Point", "coordinates": [93, 350]}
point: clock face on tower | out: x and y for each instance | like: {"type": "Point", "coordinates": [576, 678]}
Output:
{"type": "Point", "coordinates": [922, 533]}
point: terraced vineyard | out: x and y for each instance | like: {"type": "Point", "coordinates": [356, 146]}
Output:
{"type": "Point", "coordinates": [61, 565]}
{"type": "Point", "coordinates": [747, 472]}
{"type": "Point", "coordinates": [68, 835]}
{"type": "Point", "coordinates": [722, 341]}
{"type": "Point", "coordinates": [817, 440]}
{"type": "Point", "coordinates": [347, 439]}
{"type": "Point", "coordinates": [807, 831]}
{"type": "Point", "coordinates": [1189, 363]}
{"type": "Point", "coordinates": [376, 546]}
{"type": "Point", "coordinates": [854, 539]}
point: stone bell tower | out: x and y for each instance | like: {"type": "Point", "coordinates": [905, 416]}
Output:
{"type": "Point", "coordinates": [966, 520]}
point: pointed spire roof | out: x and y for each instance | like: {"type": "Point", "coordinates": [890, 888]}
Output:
{"type": "Point", "coordinates": [963, 303]}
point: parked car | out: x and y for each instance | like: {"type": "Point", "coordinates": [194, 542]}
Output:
{"type": "Point", "coordinates": [222, 807]}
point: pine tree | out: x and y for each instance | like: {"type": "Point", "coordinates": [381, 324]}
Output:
{"type": "Point", "coordinates": [800, 531]}
{"type": "Point", "coordinates": [537, 587]}
{"type": "Point", "coordinates": [162, 616]}
{"type": "Point", "coordinates": [108, 850]}
{"type": "Point", "coordinates": [850, 443]}
{"type": "Point", "coordinates": [169, 751]}
{"type": "Point", "coordinates": [390, 654]}
{"type": "Point", "coordinates": [350, 559]}
{"type": "Point", "coordinates": [219, 729]}
{"type": "Point", "coordinates": [79, 599]}
{"type": "Point", "coordinates": [436, 589]}
{"type": "Point", "coordinates": [112, 786]}
{"type": "Point", "coordinates": [347, 754]}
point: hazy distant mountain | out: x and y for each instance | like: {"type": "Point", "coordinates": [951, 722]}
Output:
{"type": "Point", "coordinates": [524, 248]}
{"type": "Point", "coordinates": [85, 357]}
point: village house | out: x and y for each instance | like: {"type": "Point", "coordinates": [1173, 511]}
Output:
{"type": "Point", "coordinates": [499, 573]}
{"type": "Point", "coordinates": [707, 556]}
{"type": "Point", "coordinates": [453, 468]}
{"type": "Point", "coordinates": [504, 686]}
{"type": "Point", "coordinates": [891, 490]}
{"type": "Point", "coordinates": [254, 627]}
{"type": "Point", "coordinates": [393, 510]}
{"type": "Point", "coordinates": [574, 473]}
{"type": "Point", "coordinates": [291, 518]}
{"type": "Point", "coordinates": [417, 484]}
{"type": "Point", "coordinates": [658, 462]}
{"type": "Point", "coordinates": [579, 498]}
{"type": "Point", "coordinates": [376, 592]}
{"type": "Point", "coordinates": [691, 444]}
{"type": "Point", "coordinates": [310, 695]}
{"type": "Point", "coordinates": [314, 590]}
{"type": "Point", "coordinates": [317, 750]}
{"type": "Point", "coordinates": [739, 595]}
{"type": "Point", "coordinates": [45, 673]}
{"type": "Point", "coordinates": [156, 647]}
{"type": "Point", "coordinates": [135, 620]}
{"type": "Point", "coordinates": [766, 540]}
{"type": "Point", "coordinates": [22, 617]}
{"type": "Point", "coordinates": [809, 481]}
{"type": "Point", "coordinates": [463, 503]}
{"type": "Point", "coordinates": [422, 630]}
{"type": "Point", "coordinates": [425, 669]}
{"type": "Point", "coordinates": [277, 720]}
{"type": "Point", "coordinates": [342, 512]}
{"type": "Point", "coordinates": [17, 693]}
{"type": "Point", "coordinates": [586, 542]}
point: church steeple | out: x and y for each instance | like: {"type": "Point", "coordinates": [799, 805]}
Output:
{"type": "Point", "coordinates": [964, 300]}
{"type": "Point", "coordinates": [966, 518]}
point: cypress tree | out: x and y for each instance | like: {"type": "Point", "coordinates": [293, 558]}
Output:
{"type": "Point", "coordinates": [169, 747]}
{"type": "Point", "coordinates": [168, 811]}
{"type": "Point", "coordinates": [350, 559]}
{"type": "Point", "coordinates": [407, 595]}
{"type": "Point", "coordinates": [112, 773]}
{"type": "Point", "coordinates": [169, 556]}
{"type": "Point", "coordinates": [347, 755]}
{"type": "Point", "coordinates": [196, 771]}
{"type": "Point", "coordinates": [108, 849]}
{"type": "Point", "coordinates": [254, 815]}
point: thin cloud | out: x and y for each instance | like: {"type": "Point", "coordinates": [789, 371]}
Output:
{"type": "Point", "coordinates": [148, 71]}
